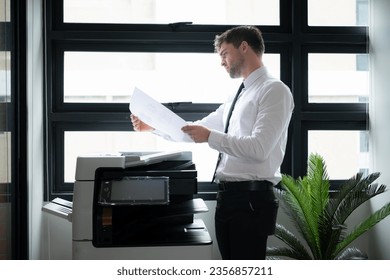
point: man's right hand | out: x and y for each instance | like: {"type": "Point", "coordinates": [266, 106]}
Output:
{"type": "Point", "coordinates": [139, 125]}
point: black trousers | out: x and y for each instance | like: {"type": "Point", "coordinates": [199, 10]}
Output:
{"type": "Point", "coordinates": [243, 222]}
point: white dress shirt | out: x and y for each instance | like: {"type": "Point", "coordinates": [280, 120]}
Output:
{"type": "Point", "coordinates": [254, 147]}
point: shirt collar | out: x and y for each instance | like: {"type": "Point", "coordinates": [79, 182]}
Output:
{"type": "Point", "coordinates": [254, 76]}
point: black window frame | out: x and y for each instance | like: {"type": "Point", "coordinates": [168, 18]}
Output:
{"type": "Point", "coordinates": [13, 115]}
{"type": "Point", "coordinates": [293, 39]}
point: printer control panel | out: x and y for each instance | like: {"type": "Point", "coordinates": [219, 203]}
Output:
{"type": "Point", "coordinates": [136, 190]}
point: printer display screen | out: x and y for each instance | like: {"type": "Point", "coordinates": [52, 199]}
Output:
{"type": "Point", "coordinates": [135, 190]}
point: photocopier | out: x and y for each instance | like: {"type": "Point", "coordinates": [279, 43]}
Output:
{"type": "Point", "coordinates": [136, 205]}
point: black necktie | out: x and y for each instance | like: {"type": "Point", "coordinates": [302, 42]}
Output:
{"type": "Point", "coordinates": [227, 124]}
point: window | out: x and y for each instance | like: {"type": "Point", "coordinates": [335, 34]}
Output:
{"type": "Point", "coordinates": [341, 149]}
{"type": "Point", "coordinates": [97, 51]}
{"type": "Point", "coordinates": [338, 78]}
{"type": "Point", "coordinates": [255, 12]}
{"type": "Point", "coordinates": [338, 13]}
{"type": "Point", "coordinates": [91, 77]}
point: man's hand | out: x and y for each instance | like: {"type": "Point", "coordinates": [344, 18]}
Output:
{"type": "Point", "coordinates": [139, 125]}
{"type": "Point", "coordinates": [198, 133]}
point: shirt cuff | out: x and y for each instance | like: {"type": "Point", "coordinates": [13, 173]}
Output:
{"type": "Point", "coordinates": [215, 139]}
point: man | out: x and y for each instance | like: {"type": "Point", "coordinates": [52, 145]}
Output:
{"type": "Point", "coordinates": [251, 142]}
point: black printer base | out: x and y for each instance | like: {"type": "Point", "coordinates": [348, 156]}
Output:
{"type": "Point", "coordinates": [156, 234]}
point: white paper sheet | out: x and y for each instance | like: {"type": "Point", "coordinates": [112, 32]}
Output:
{"type": "Point", "coordinates": [157, 116]}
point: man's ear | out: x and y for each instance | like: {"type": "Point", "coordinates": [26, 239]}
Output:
{"type": "Point", "coordinates": [244, 46]}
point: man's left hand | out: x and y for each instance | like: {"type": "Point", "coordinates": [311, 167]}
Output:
{"type": "Point", "coordinates": [198, 133]}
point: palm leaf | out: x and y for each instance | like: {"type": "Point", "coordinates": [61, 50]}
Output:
{"type": "Point", "coordinates": [319, 220]}
{"type": "Point", "coordinates": [319, 187]}
{"type": "Point", "coordinates": [297, 200]}
{"type": "Point", "coordinates": [307, 199]}
{"type": "Point", "coordinates": [319, 181]}
{"type": "Point", "coordinates": [276, 253]}
{"type": "Point", "coordinates": [360, 189]}
{"type": "Point", "coordinates": [295, 249]}
{"type": "Point", "coordinates": [334, 234]}
{"type": "Point", "coordinates": [353, 254]}
{"type": "Point", "coordinates": [354, 193]}
{"type": "Point", "coordinates": [364, 226]}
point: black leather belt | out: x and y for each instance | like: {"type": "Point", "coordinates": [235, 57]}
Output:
{"type": "Point", "coordinates": [245, 186]}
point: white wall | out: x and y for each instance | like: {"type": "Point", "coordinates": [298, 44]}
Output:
{"type": "Point", "coordinates": [35, 127]}
{"type": "Point", "coordinates": [379, 117]}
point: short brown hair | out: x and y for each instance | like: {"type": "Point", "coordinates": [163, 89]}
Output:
{"type": "Point", "coordinates": [250, 34]}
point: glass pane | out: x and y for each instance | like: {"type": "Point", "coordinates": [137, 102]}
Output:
{"type": "Point", "coordinates": [98, 142]}
{"type": "Point", "coordinates": [5, 8]}
{"type": "Point", "coordinates": [6, 205]}
{"type": "Point", "coordinates": [345, 152]}
{"type": "Point", "coordinates": [338, 13]}
{"type": "Point", "coordinates": [168, 77]}
{"type": "Point", "coordinates": [5, 223]}
{"type": "Point", "coordinates": [5, 76]}
{"type": "Point", "coordinates": [338, 78]}
{"type": "Point", "coordinates": [5, 155]}
{"type": "Point", "coordinates": [256, 12]}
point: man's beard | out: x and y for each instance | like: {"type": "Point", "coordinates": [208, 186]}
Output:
{"type": "Point", "coordinates": [235, 69]}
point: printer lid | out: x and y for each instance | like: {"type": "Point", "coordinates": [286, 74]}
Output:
{"type": "Point", "coordinates": [87, 164]}
{"type": "Point", "coordinates": [146, 158]}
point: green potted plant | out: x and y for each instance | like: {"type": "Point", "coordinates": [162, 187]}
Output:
{"type": "Point", "coordinates": [320, 219]}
